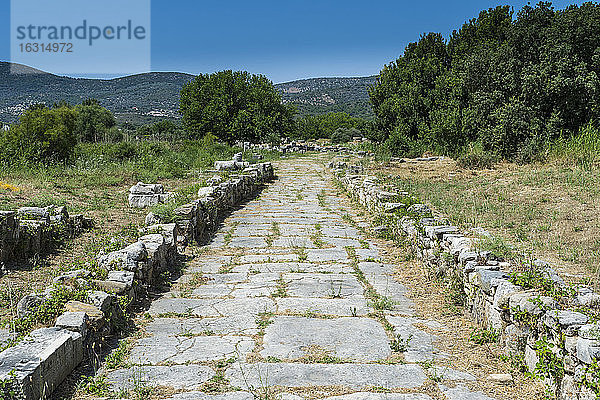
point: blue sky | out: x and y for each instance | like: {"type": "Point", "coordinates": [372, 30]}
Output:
{"type": "Point", "coordinates": [287, 40]}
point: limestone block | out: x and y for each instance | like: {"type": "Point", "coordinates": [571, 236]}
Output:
{"type": "Point", "coordinates": [526, 300]}
{"type": "Point", "coordinates": [34, 213]}
{"type": "Point", "coordinates": [93, 313]}
{"type": "Point", "coordinates": [515, 339]}
{"type": "Point", "coordinates": [230, 165]}
{"type": "Point", "coordinates": [568, 321]}
{"type": "Point", "coordinates": [72, 275]}
{"type": "Point", "coordinates": [588, 350]}
{"type": "Point", "coordinates": [125, 277]}
{"type": "Point", "coordinates": [42, 361]}
{"type": "Point", "coordinates": [100, 300]}
{"type": "Point", "coordinates": [73, 321]}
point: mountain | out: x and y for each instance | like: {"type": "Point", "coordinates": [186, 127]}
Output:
{"type": "Point", "coordinates": [145, 98]}
{"type": "Point", "coordinates": [322, 95]}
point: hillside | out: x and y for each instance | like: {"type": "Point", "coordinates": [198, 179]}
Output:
{"type": "Point", "coordinates": [145, 97]}
{"type": "Point", "coordinates": [322, 95]}
{"type": "Point", "coordinates": [136, 98]}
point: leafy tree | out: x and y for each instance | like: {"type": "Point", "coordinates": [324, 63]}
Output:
{"type": "Point", "coordinates": [93, 121]}
{"type": "Point", "coordinates": [511, 85]}
{"type": "Point", "coordinates": [234, 106]}
{"type": "Point", "coordinates": [42, 135]}
{"type": "Point", "coordinates": [324, 126]}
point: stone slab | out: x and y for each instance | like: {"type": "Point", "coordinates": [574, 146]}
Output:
{"type": "Point", "coordinates": [231, 325]}
{"type": "Point", "coordinates": [323, 285]}
{"type": "Point", "coordinates": [189, 377]}
{"type": "Point", "coordinates": [356, 376]}
{"type": "Point", "coordinates": [356, 339]}
{"type": "Point", "coordinates": [42, 360]}
{"type": "Point", "coordinates": [188, 349]}
{"type": "Point", "coordinates": [339, 307]}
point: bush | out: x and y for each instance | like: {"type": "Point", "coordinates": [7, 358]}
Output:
{"type": "Point", "coordinates": [474, 157]}
{"type": "Point", "coordinates": [43, 135]}
{"type": "Point", "coordinates": [343, 135]}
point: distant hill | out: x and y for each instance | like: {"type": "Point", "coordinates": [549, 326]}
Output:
{"type": "Point", "coordinates": [144, 98]}
{"type": "Point", "coordinates": [322, 95]}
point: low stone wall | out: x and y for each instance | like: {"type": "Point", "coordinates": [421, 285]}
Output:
{"type": "Point", "coordinates": [31, 231]}
{"type": "Point", "coordinates": [34, 367]}
{"type": "Point", "coordinates": [555, 341]}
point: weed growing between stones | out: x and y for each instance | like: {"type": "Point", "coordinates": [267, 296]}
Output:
{"type": "Point", "coordinates": [95, 386]}
{"type": "Point", "coordinates": [301, 252]}
{"type": "Point", "coordinates": [321, 196]}
{"type": "Point", "coordinates": [548, 365]}
{"type": "Point", "coordinates": [281, 289]}
{"type": "Point", "coordinates": [49, 308]}
{"type": "Point", "coordinates": [377, 301]}
{"type": "Point", "coordinates": [317, 237]}
{"type": "Point", "coordinates": [484, 336]}
{"type": "Point", "coordinates": [116, 359]}
{"type": "Point", "coordinates": [264, 319]}
{"type": "Point", "coordinates": [315, 354]}
{"type": "Point", "coordinates": [591, 378]}
{"type": "Point", "coordinates": [8, 387]}
{"type": "Point", "coordinates": [400, 344]}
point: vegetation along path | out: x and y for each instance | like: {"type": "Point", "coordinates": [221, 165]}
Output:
{"type": "Point", "coordinates": [291, 300]}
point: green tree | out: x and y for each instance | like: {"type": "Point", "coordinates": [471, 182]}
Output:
{"type": "Point", "coordinates": [94, 122]}
{"type": "Point", "coordinates": [234, 106]}
{"type": "Point", "coordinates": [42, 135]}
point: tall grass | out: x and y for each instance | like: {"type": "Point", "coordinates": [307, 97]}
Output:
{"type": "Point", "coordinates": [109, 164]}
{"type": "Point", "coordinates": [581, 150]}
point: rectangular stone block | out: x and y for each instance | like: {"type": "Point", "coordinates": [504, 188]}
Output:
{"type": "Point", "coordinates": [41, 361]}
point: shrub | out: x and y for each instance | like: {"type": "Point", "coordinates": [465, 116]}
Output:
{"type": "Point", "coordinates": [474, 157]}
{"type": "Point", "coordinates": [43, 135]}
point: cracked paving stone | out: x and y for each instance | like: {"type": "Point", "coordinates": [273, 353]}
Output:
{"type": "Point", "coordinates": [320, 255]}
{"type": "Point", "coordinates": [232, 325]}
{"type": "Point", "coordinates": [185, 349]}
{"type": "Point", "coordinates": [323, 285]}
{"type": "Point", "coordinates": [355, 376]}
{"type": "Point", "coordinates": [292, 337]}
{"type": "Point", "coordinates": [340, 307]}
{"type": "Point", "coordinates": [188, 377]}
{"type": "Point", "coordinates": [250, 242]}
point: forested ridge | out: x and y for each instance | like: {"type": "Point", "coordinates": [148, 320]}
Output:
{"type": "Point", "coordinates": [510, 84]}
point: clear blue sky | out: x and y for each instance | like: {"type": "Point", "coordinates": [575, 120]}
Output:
{"type": "Point", "coordinates": [287, 40]}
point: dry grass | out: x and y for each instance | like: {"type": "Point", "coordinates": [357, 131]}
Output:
{"type": "Point", "coordinates": [547, 211]}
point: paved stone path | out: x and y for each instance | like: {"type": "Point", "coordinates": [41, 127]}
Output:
{"type": "Point", "coordinates": [290, 298]}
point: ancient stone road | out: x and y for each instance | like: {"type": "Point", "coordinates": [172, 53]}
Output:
{"type": "Point", "coordinates": [284, 300]}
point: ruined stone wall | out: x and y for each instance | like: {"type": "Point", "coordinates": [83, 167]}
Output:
{"type": "Point", "coordinates": [33, 231]}
{"type": "Point", "coordinates": [557, 342]}
{"type": "Point", "coordinates": [35, 366]}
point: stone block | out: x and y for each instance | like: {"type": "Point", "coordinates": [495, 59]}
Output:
{"type": "Point", "coordinates": [100, 300]}
{"type": "Point", "coordinates": [42, 361]}
{"type": "Point", "coordinates": [28, 303]}
{"type": "Point", "coordinates": [568, 321]}
{"type": "Point", "coordinates": [74, 322]}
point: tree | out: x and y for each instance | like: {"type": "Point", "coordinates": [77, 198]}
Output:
{"type": "Point", "coordinates": [513, 86]}
{"type": "Point", "coordinates": [93, 121]}
{"type": "Point", "coordinates": [234, 106]}
{"type": "Point", "coordinates": [42, 135]}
